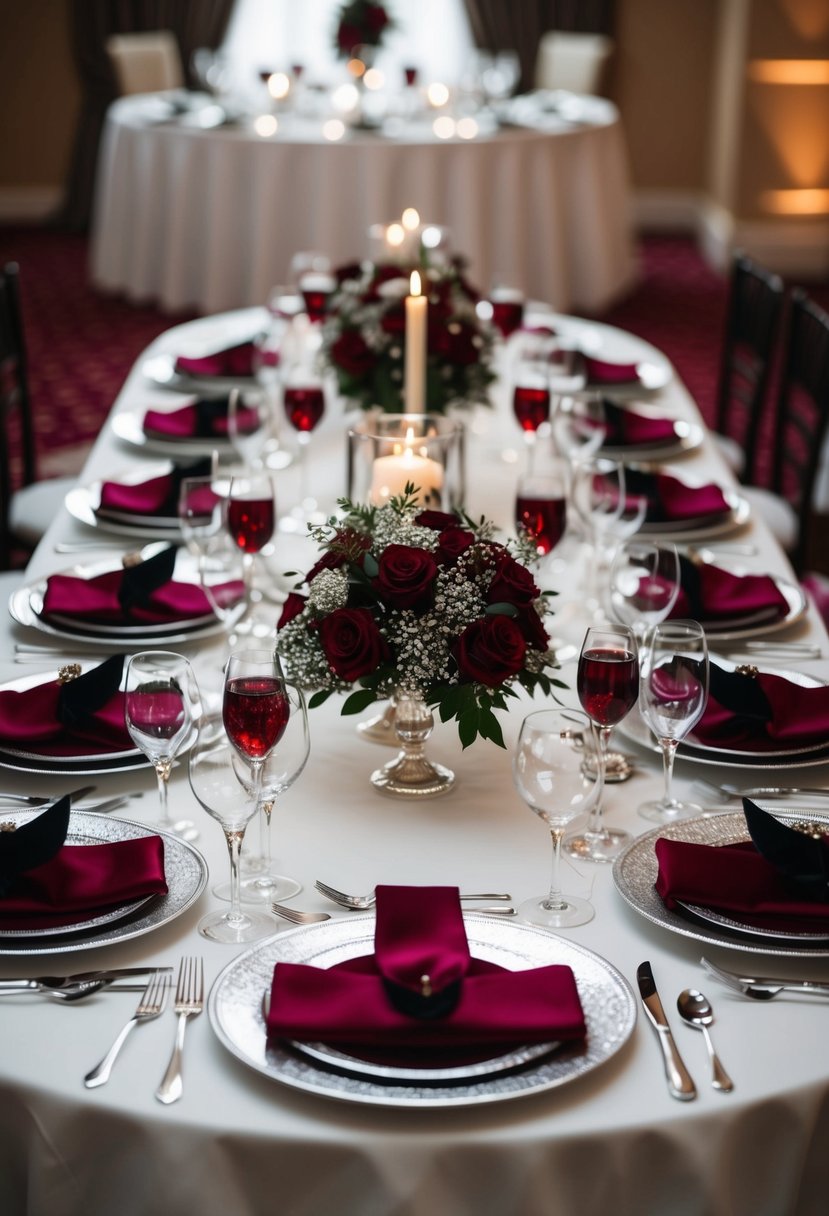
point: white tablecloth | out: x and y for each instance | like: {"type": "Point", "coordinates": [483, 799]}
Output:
{"type": "Point", "coordinates": [238, 1142]}
{"type": "Point", "coordinates": [547, 210]}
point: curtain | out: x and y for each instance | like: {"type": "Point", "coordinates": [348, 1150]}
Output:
{"type": "Point", "coordinates": [195, 23]}
{"type": "Point", "coordinates": [501, 25]}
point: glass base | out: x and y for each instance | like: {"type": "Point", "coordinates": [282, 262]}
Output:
{"type": "Point", "coordinates": [603, 846]}
{"type": "Point", "coordinates": [413, 777]}
{"type": "Point", "coordinates": [185, 829]}
{"type": "Point", "coordinates": [574, 912]}
{"type": "Point", "coordinates": [261, 889]}
{"type": "Point", "coordinates": [380, 729]}
{"type": "Point", "coordinates": [659, 811]}
{"type": "Point", "coordinates": [217, 927]}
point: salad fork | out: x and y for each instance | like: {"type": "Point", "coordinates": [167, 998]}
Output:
{"type": "Point", "coordinates": [362, 903]}
{"type": "Point", "coordinates": [189, 1003]}
{"type": "Point", "coordinates": [763, 988]}
{"type": "Point", "coordinates": [296, 917]}
{"type": "Point", "coordinates": [151, 1005]}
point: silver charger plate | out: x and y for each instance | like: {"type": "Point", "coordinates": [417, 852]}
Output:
{"type": "Point", "coordinates": [744, 627]}
{"type": "Point", "coordinates": [82, 503]}
{"type": "Point", "coordinates": [161, 370]}
{"type": "Point", "coordinates": [711, 917]}
{"type": "Point", "coordinates": [76, 835]}
{"type": "Point", "coordinates": [688, 436]}
{"type": "Point", "coordinates": [128, 426]}
{"type": "Point", "coordinates": [185, 870]}
{"type": "Point", "coordinates": [702, 526]}
{"type": "Point", "coordinates": [635, 870]}
{"type": "Point", "coordinates": [235, 1008]}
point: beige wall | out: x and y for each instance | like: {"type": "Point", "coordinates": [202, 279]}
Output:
{"type": "Point", "coordinates": [39, 92]}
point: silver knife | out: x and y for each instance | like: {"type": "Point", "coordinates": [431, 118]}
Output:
{"type": "Point", "coordinates": [57, 981]}
{"type": "Point", "coordinates": [37, 800]}
{"type": "Point", "coordinates": [679, 1080]}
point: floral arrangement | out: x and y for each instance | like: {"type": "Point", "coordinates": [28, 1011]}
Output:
{"type": "Point", "coordinates": [420, 600]}
{"type": "Point", "coordinates": [363, 339]}
{"type": "Point", "coordinates": [360, 23]}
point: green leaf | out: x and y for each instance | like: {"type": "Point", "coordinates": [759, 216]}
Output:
{"type": "Point", "coordinates": [370, 566]}
{"type": "Point", "coordinates": [319, 697]}
{"type": "Point", "coordinates": [501, 609]}
{"type": "Point", "coordinates": [357, 701]}
{"type": "Point", "coordinates": [468, 727]}
{"type": "Point", "coordinates": [490, 728]}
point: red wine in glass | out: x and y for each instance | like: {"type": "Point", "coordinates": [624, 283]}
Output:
{"type": "Point", "coordinates": [304, 407]}
{"type": "Point", "coordinates": [544, 519]}
{"type": "Point", "coordinates": [607, 683]}
{"type": "Point", "coordinates": [507, 316]}
{"type": "Point", "coordinates": [255, 712]}
{"type": "Point", "coordinates": [531, 406]}
{"type": "Point", "coordinates": [156, 711]}
{"type": "Point", "coordinates": [250, 522]}
{"type": "Point", "coordinates": [317, 289]}
{"type": "Point", "coordinates": [410, 76]}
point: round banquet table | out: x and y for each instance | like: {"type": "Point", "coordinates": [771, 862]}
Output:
{"type": "Point", "coordinates": [548, 210]}
{"type": "Point", "coordinates": [240, 1142]}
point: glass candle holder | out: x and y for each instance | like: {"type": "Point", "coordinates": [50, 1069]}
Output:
{"type": "Point", "coordinates": [387, 452]}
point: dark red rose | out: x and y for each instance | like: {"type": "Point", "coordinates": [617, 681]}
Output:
{"type": "Point", "coordinates": [348, 36]}
{"type": "Point", "coordinates": [376, 18]}
{"type": "Point", "coordinates": [382, 274]}
{"type": "Point", "coordinates": [532, 627]}
{"type": "Point", "coordinates": [436, 520]}
{"type": "Point", "coordinates": [352, 643]}
{"type": "Point", "coordinates": [512, 584]}
{"type": "Point", "coordinates": [292, 607]}
{"type": "Point", "coordinates": [351, 270]}
{"type": "Point", "coordinates": [490, 650]}
{"type": "Point", "coordinates": [345, 540]}
{"type": "Point", "coordinates": [454, 343]}
{"type": "Point", "coordinates": [351, 353]}
{"type": "Point", "coordinates": [394, 321]}
{"type": "Point", "coordinates": [406, 576]}
{"type": "Point", "coordinates": [452, 542]}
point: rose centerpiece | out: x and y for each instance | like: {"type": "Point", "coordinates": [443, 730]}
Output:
{"type": "Point", "coordinates": [364, 337]}
{"type": "Point", "coordinates": [360, 23]}
{"type": "Point", "coordinates": [426, 606]}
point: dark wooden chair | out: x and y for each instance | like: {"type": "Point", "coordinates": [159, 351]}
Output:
{"type": "Point", "coordinates": [752, 320]}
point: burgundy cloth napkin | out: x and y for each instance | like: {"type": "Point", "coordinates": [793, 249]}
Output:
{"type": "Point", "coordinates": [75, 719]}
{"type": "Point", "coordinates": [672, 500]}
{"type": "Point", "coordinates": [202, 419]}
{"type": "Point", "coordinates": [156, 496]}
{"type": "Point", "coordinates": [708, 593]}
{"type": "Point", "coordinates": [601, 371]}
{"type": "Point", "coordinates": [762, 713]}
{"type": "Point", "coordinates": [629, 428]}
{"type": "Point", "coordinates": [232, 361]}
{"type": "Point", "coordinates": [420, 933]}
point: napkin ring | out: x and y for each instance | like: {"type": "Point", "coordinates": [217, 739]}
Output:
{"type": "Point", "coordinates": [423, 1002]}
{"type": "Point", "coordinates": [69, 672]}
{"type": "Point", "coordinates": [7, 826]}
{"type": "Point", "coordinates": [747, 669]}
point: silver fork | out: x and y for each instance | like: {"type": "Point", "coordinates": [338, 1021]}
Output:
{"type": "Point", "coordinates": [299, 918]}
{"type": "Point", "coordinates": [361, 903]}
{"type": "Point", "coordinates": [151, 1005]}
{"type": "Point", "coordinates": [189, 1004]}
{"type": "Point", "coordinates": [763, 988]}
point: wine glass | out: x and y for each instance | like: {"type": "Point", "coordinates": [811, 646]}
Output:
{"type": "Point", "coordinates": [161, 705]}
{"type": "Point", "coordinates": [531, 402]}
{"type": "Point", "coordinates": [249, 426]}
{"type": "Point", "coordinates": [547, 771]}
{"type": "Point", "coordinates": [673, 694]}
{"type": "Point", "coordinates": [541, 505]}
{"type": "Point", "coordinates": [215, 784]}
{"type": "Point", "coordinates": [644, 584]}
{"type": "Point", "coordinates": [303, 399]}
{"type": "Point", "coordinates": [317, 288]}
{"type": "Point", "coordinates": [507, 309]}
{"type": "Point", "coordinates": [578, 426]}
{"type": "Point", "coordinates": [607, 684]}
{"type": "Point", "coordinates": [256, 707]}
{"type": "Point", "coordinates": [250, 517]}
{"type": "Point", "coordinates": [598, 495]}
{"type": "Point", "coordinates": [200, 511]}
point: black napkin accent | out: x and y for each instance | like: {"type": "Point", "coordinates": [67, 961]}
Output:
{"type": "Point", "coordinates": [209, 410]}
{"type": "Point", "coordinates": [82, 697]}
{"type": "Point", "coordinates": [426, 1005]}
{"type": "Point", "coordinates": [33, 843]}
{"type": "Point", "coordinates": [140, 581]}
{"type": "Point", "coordinates": [691, 583]}
{"type": "Point", "coordinates": [739, 693]}
{"type": "Point", "coordinates": [640, 484]}
{"type": "Point", "coordinates": [802, 860]}
{"type": "Point", "coordinates": [178, 473]}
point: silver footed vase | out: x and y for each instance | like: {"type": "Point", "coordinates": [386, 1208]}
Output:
{"type": "Point", "coordinates": [412, 774]}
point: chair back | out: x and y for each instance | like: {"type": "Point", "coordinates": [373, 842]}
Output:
{"type": "Point", "coordinates": [17, 441]}
{"type": "Point", "coordinates": [571, 61]}
{"type": "Point", "coordinates": [802, 412]}
{"type": "Point", "coordinates": [146, 63]}
{"type": "Point", "coordinates": [752, 318]}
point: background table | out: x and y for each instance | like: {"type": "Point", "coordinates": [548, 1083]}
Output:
{"type": "Point", "coordinates": [237, 1142]}
{"type": "Point", "coordinates": [548, 210]}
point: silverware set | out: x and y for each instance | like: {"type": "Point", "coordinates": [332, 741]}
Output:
{"type": "Point", "coordinates": [364, 903]}
{"type": "Point", "coordinates": [763, 988]}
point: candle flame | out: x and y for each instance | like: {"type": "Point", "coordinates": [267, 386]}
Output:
{"type": "Point", "coordinates": [414, 284]}
{"type": "Point", "coordinates": [411, 219]}
{"type": "Point", "coordinates": [395, 234]}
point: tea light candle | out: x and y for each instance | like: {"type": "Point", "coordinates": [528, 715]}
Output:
{"type": "Point", "coordinates": [414, 385]}
{"type": "Point", "coordinates": [390, 475]}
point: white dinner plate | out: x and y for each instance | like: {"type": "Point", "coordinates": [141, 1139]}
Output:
{"type": "Point", "coordinates": [635, 872]}
{"type": "Point", "coordinates": [701, 527]}
{"type": "Point", "coordinates": [235, 1008]}
{"type": "Point", "coordinates": [614, 346]}
{"type": "Point", "coordinates": [687, 437]}
{"type": "Point", "coordinates": [161, 370]}
{"type": "Point", "coordinates": [128, 426]}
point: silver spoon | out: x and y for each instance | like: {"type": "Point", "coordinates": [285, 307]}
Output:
{"type": "Point", "coordinates": [695, 1008]}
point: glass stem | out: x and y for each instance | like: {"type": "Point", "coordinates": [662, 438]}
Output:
{"type": "Point", "coordinates": [302, 465]}
{"type": "Point", "coordinates": [234, 847]}
{"type": "Point", "coordinates": [529, 438]}
{"type": "Point", "coordinates": [669, 747]}
{"type": "Point", "coordinates": [555, 902]}
{"type": "Point", "coordinates": [601, 736]}
{"type": "Point", "coordinates": [162, 772]}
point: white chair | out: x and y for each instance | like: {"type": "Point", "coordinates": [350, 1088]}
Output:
{"type": "Point", "coordinates": [571, 61]}
{"type": "Point", "coordinates": [146, 63]}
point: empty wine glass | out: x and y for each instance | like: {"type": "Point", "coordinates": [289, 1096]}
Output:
{"type": "Point", "coordinates": [250, 517]}
{"type": "Point", "coordinates": [547, 771]}
{"type": "Point", "coordinates": [201, 511]}
{"type": "Point", "coordinates": [215, 784]}
{"type": "Point", "coordinates": [644, 584]}
{"type": "Point", "coordinates": [578, 426]}
{"type": "Point", "coordinates": [162, 703]}
{"type": "Point", "coordinates": [607, 684]}
{"type": "Point", "coordinates": [598, 495]}
{"type": "Point", "coordinates": [249, 420]}
{"type": "Point", "coordinates": [673, 693]}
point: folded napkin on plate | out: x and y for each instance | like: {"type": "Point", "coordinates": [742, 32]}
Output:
{"type": "Point", "coordinates": [140, 595]}
{"type": "Point", "coordinates": [762, 712]}
{"type": "Point", "coordinates": [45, 883]}
{"type": "Point", "coordinates": [762, 889]}
{"type": "Point", "coordinates": [422, 990]}
{"type": "Point", "coordinates": [83, 716]}
{"type": "Point", "coordinates": [708, 593]}
{"type": "Point", "coordinates": [157, 496]}
{"type": "Point", "coordinates": [601, 371]}
{"type": "Point", "coordinates": [626, 427]}
{"type": "Point", "coordinates": [206, 418]}
{"type": "Point", "coordinates": [671, 500]}
{"type": "Point", "coordinates": [232, 361]}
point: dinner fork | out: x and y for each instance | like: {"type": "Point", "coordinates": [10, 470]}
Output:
{"type": "Point", "coordinates": [361, 903]}
{"type": "Point", "coordinates": [296, 917]}
{"type": "Point", "coordinates": [189, 1003]}
{"type": "Point", "coordinates": [151, 1005]}
{"type": "Point", "coordinates": [763, 988]}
